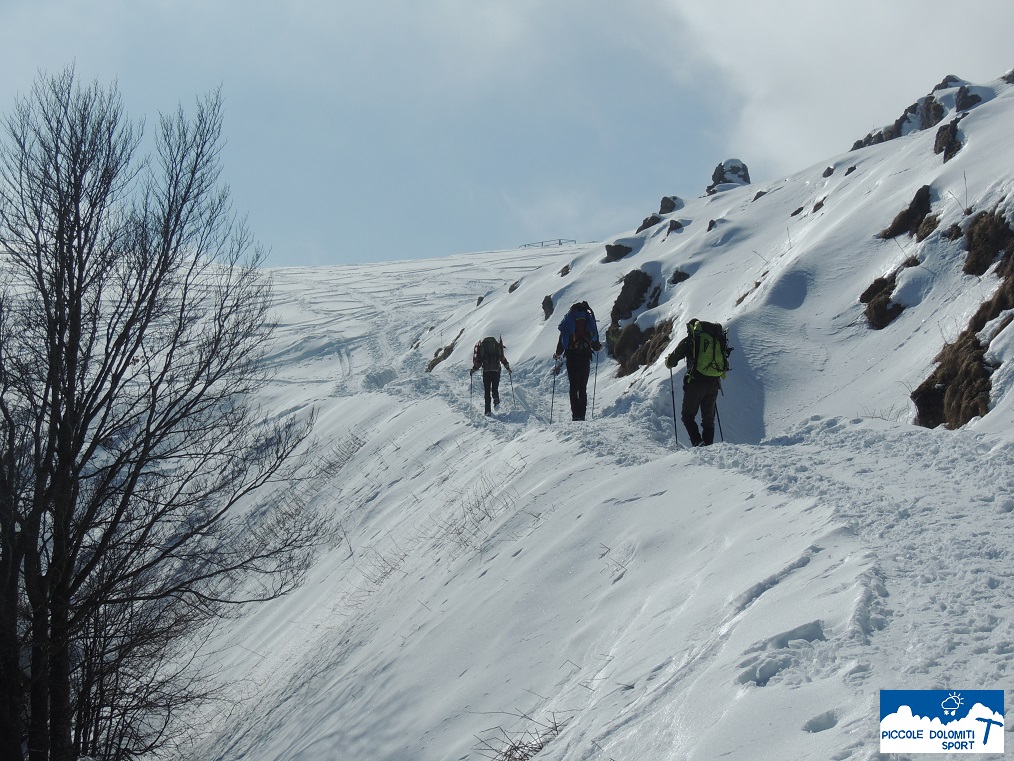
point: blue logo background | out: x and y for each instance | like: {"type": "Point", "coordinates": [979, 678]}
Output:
{"type": "Point", "coordinates": [937, 704]}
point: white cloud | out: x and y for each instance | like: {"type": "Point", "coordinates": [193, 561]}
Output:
{"type": "Point", "coordinates": [813, 78]}
{"type": "Point", "coordinates": [455, 102]}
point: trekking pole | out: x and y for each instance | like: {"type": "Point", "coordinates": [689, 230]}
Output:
{"type": "Point", "coordinates": [514, 399]}
{"type": "Point", "coordinates": [595, 383]}
{"type": "Point", "coordinates": [672, 388]}
{"type": "Point", "coordinates": [556, 371]}
{"type": "Point", "coordinates": [719, 418]}
{"type": "Point", "coordinates": [470, 385]}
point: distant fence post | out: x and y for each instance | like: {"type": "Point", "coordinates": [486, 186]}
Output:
{"type": "Point", "coordinates": [544, 243]}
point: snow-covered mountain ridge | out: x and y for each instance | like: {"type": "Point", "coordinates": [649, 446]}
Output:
{"type": "Point", "coordinates": [594, 587]}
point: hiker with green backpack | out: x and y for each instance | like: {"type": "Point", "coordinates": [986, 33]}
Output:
{"type": "Point", "coordinates": [488, 356]}
{"type": "Point", "coordinates": [706, 350]}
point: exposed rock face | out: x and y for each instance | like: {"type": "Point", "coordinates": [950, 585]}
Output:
{"type": "Point", "coordinates": [926, 112]}
{"type": "Point", "coordinates": [670, 204]}
{"type": "Point", "coordinates": [909, 220]}
{"type": "Point", "coordinates": [616, 251]}
{"type": "Point", "coordinates": [636, 348]}
{"type": "Point", "coordinates": [965, 100]}
{"type": "Point", "coordinates": [547, 306]}
{"type": "Point", "coordinates": [635, 287]}
{"type": "Point", "coordinates": [631, 346]}
{"type": "Point", "coordinates": [947, 141]}
{"type": "Point", "coordinates": [651, 221]}
{"type": "Point", "coordinates": [730, 173]}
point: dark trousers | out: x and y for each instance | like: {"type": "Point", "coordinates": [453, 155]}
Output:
{"type": "Point", "coordinates": [700, 394]}
{"type": "Point", "coordinates": [491, 386]}
{"type": "Point", "coordinates": [578, 370]}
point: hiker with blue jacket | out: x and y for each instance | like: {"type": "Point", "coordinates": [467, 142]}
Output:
{"type": "Point", "coordinates": [488, 355]}
{"type": "Point", "coordinates": [706, 351]}
{"type": "Point", "coordinates": [579, 339]}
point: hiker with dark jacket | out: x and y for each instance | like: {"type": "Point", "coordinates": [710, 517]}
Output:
{"type": "Point", "coordinates": [579, 338]}
{"type": "Point", "coordinates": [488, 355]}
{"type": "Point", "coordinates": [707, 363]}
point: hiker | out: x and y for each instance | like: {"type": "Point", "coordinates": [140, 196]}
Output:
{"type": "Point", "coordinates": [579, 338]}
{"type": "Point", "coordinates": [706, 350]}
{"type": "Point", "coordinates": [488, 355]}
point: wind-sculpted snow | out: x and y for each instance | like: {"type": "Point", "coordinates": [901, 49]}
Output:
{"type": "Point", "coordinates": [643, 600]}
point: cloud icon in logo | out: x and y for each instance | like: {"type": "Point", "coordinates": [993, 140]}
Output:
{"type": "Point", "coordinates": [951, 704]}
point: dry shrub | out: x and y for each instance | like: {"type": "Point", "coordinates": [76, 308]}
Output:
{"type": "Point", "coordinates": [926, 228]}
{"type": "Point", "coordinates": [501, 745]}
{"type": "Point", "coordinates": [986, 236]}
{"type": "Point", "coordinates": [880, 311]}
{"type": "Point", "coordinates": [756, 285]}
{"type": "Point", "coordinates": [443, 353]}
{"type": "Point", "coordinates": [909, 220]}
{"type": "Point", "coordinates": [958, 389]}
{"type": "Point", "coordinates": [634, 348]}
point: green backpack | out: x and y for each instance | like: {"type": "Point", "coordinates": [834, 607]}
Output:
{"type": "Point", "coordinates": [709, 346]}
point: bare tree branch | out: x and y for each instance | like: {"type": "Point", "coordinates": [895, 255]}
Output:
{"type": "Point", "coordinates": [133, 321]}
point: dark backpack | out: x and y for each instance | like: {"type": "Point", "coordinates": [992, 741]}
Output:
{"type": "Point", "coordinates": [487, 353]}
{"type": "Point", "coordinates": [580, 340]}
{"type": "Point", "coordinates": [709, 346]}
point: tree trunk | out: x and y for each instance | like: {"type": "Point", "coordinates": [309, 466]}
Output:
{"type": "Point", "coordinates": [12, 729]}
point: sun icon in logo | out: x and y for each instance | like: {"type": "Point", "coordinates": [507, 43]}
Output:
{"type": "Point", "coordinates": [951, 704]}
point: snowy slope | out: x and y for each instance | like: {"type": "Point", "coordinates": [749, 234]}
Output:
{"type": "Point", "coordinates": [500, 578]}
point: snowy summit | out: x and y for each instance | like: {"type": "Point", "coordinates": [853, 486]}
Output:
{"type": "Point", "coordinates": [596, 590]}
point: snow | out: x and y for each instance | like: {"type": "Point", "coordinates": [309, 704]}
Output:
{"type": "Point", "coordinates": [744, 601]}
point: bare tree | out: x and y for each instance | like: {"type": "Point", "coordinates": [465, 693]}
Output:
{"type": "Point", "coordinates": [134, 461]}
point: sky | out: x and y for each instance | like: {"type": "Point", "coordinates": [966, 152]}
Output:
{"type": "Point", "coordinates": [747, 601]}
{"type": "Point", "coordinates": [394, 129]}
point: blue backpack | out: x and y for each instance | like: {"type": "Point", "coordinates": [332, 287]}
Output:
{"type": "Point", "coordinates": [584, 336]}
